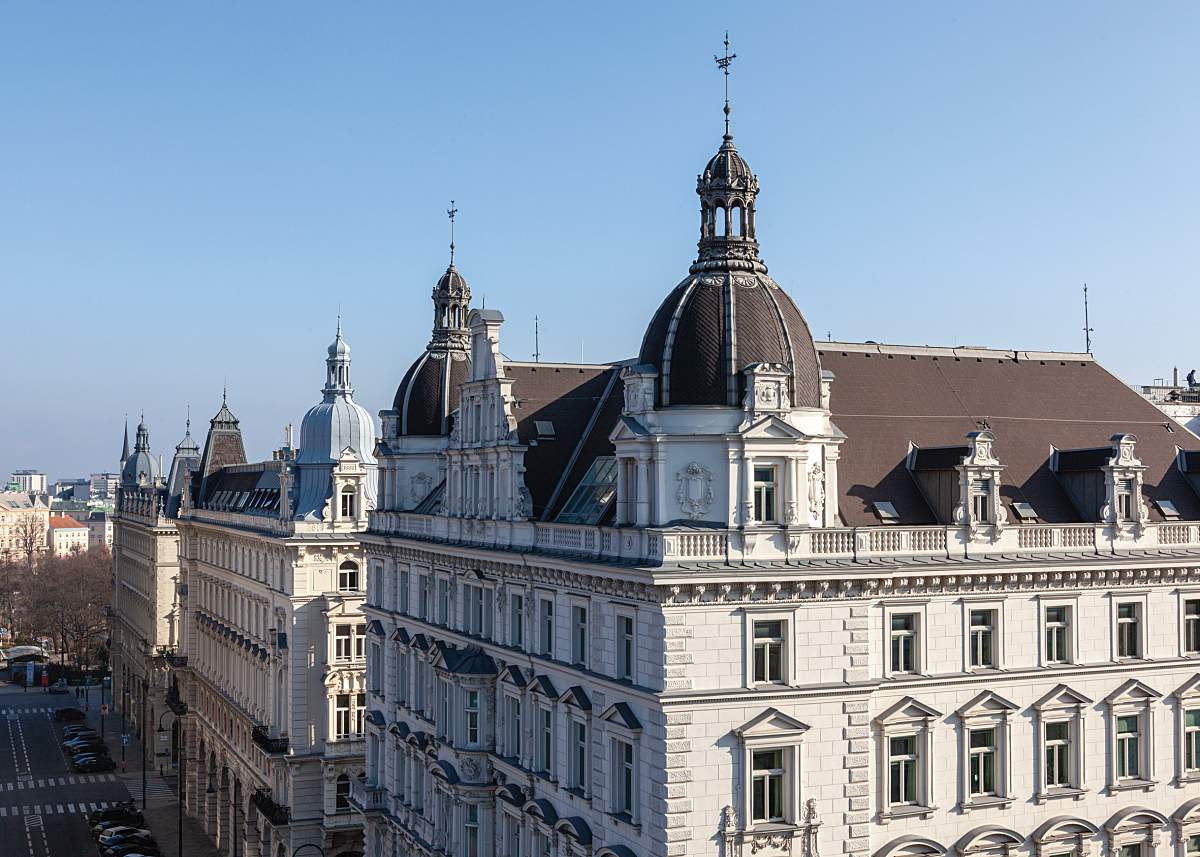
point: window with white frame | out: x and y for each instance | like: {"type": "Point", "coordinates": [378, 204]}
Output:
{"type": "Point", "coordinates": [905, 735]}
{"type": "Point", "coordinates": [1130, 738]}
{"type": "Point", "coordinates": [376, 673]}
{"type": "Point", "coordinates": [426, 598]}
{"type": "Point", "coordinates": [544, 757]}
{"type": "Point", "coordinates": [471, 718]}
{"type": "Point", "coordinates": [770, 745]}
{"type": "Point", "coordinates": [1191, 741]}
{"type": "Point", "coordinates": [343, 718]}
{"type": "Point", "coordinates": [516, 625]}
{"type": "Point", "coordinates": [580, 755]}
{"type": "Point", "coordinates": [546, 626]}
{"type": "Point", "coordinates": [512, 836]}
{"type": "Point", "coordinates": [402, 676]}
{"type": "Point", "coordinates": [1192, 845]}
{"type": "Point", "coordinates": [471, 831]}
{"type": "Point", "coordinates": [512, 723]}
{"type": "Point", "coordinates": [1187, 723]}
{"type": "Point", "coordinates": [443, 591]}
{"type": "Point", "coordinates": [404, 584]}
{"type": "Point", "coordinates": [1057, 631]}
{"type": "Point", "coordinates": [1128, 629]}
{"type": "Point", "coordinates": [767, 782]}
{"type": "Point", "coordinates": [348, 504]}
{"type": "Point", "coordinates": [1059, 725]}
{"type": "Point", "coordinates": [348, 578]}
{"type": "Point", "coordinates": [541, 842]}
{"type": "Point", "coordinates": [1191, 626]}
{"type": "Point", "coordinates": [985, 751]}
{"type": "Point", "coordinates": [343, 642]}
{"type": "Point", "coordinates": [473, 609]}
{"type": "Point", "coordinates": [769, 646]}
{"type": "Point", "coordinates": [624, 784]}
{"type": "Point", "coordinates": [443, 707]}
{"type": "Point", "coordinates": [360, 713]}
{"type": "Point", "coordinates": [360, 642]}
{"type": "Point", "coordinates": [983, 638]}
{"type": "Point", "coordinates": [626, 656]}
{"type": "Point", "coordinates": [764, 494]}
{"type": "Point", "coordinates": [579, 635]}
{"type": "Point", "coordinates": [903, 643]}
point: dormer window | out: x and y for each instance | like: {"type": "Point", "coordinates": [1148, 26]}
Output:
{"type": "Point", "coordinates": [764, 495]}
{"type": "Point", "coordinates": [981, 500]}
{"type": "Point", "coordinates": [1125, 488]}
{"type": "Point", "coordinates": [348, 496]}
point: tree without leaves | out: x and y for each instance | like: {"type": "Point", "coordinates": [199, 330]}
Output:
{"type": "Point", "coordinates": [66, 600]}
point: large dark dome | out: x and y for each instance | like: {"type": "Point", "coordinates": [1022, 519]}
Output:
{"type": "Point", "coordinates": [712, 326]}
{"type": "Point", "coordinates": [429, 392]}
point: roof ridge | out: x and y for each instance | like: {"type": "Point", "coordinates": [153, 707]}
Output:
{"type": "Point", "coordinates": [954, 351]}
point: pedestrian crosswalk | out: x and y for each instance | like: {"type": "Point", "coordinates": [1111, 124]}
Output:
{"type": "Point", "coordinates": [28, 710]}
{"type": "Point", "coordinates": [157, 789]}
{"type": "Point", "coordinates": [16, 810]}
{"type": "Point", "coordinates": [55, 782]}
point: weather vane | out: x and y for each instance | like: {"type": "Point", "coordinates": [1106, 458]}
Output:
{"type": "Point", "coordinates": [452, 212]}
{"type": "Point", "coordinates": [723, 63]}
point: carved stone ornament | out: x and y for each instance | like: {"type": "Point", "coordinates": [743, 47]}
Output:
{"type": "Point", "coordinates": [471, 768]}
{"type": "Point", "coordinates": [729, 819]}
{"type": "Point", "coordinates": [816, 492]}
{"type": "Point", "coordinates": [694, 492]}
{"type": "Point", "coordinates": [420, 486]}
{"type": "Point", "coordinates": [771, 841]}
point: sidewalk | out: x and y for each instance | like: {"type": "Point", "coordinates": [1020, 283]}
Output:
{"type": "Point", "coordinates": [162, 810]}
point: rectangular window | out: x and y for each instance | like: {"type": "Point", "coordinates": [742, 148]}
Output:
{"type": "Point", "coordinates": [1125, 500]}
{"type": "Point", "coordinates": [342, 719]}
{"type": "Point", "coordinates": [1129, 642]}
{"type": "Point", "coordinates": [579, 635]}
{"type": "Point", "coordinates": [1193, 846]}
{"type": "Point", "coordinates": [443, 601]}
{"type": "Point", "coordinates": [471, 710]}
{"type": "Point", "coordinates": [764, 495]}
{"type": "Point", "coordinates": [904, 643]}
{"type": "Point", "coordinates": [766, 786]}
{"type": "Point", "coordinates": [768, 652]}
{"type": "Point", "coordinates": [512, 711]}
{"type": "Point", "coordinates": [902, 770]}
{"type": "Point", "coordinates": [1058, 647]}
{"type": "Point", "coordinates": [1058, 755]}
{"type": "Point", "coordinates": [625, 637]}
{"type": "Point", "coordinates": [360, 712]}
{"type": "Point", "coordinates": [443, 714]}
{"type": "Point", "coordinates": [376, 662]}
{"type": "Point", "coordinates": [472, 609]}
{"type": "Point", "coordinates": [1191, 627]}
{"type": "Point", "coordinates": [516, 628]}
{"type": "Point", "coordinates": [981, 495]}
{"type": "Point", "coordinates": [983, 762]}
{"type": "Point", "coordinates": [624, 777]}
{"type": "Point", "coordinates": [1132, 850]}
{"type": "Point", "coordinates": [402, 676]}
{"type": "Point", "coordinates": [343, 642]}
{"type": "Point", "coordinates": [546, 621]}
{"type": "Point", "coordinates": [426, 598]}
{"type": "Point", "coordinates": [1128, 747]}
{"type": "Point", "coordinates": [471, 840]}
{"type": "Point", "coordinates": [360, 642]}
{"type": "Point", "coordinates": [1191, 740]}
{"type": "Point", "coordinates": [545, 749]}
{"type": "Point", "coordinates": [983, 635]}
{"type": "Point", "coordinates": [579, 755]}
{"type": "Point", "coordinates": [404, 592]}
{"type": "Point", "coordinates": [512, 834]}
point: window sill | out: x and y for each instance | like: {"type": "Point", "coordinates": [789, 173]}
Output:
{"type": "Point", "coordinates": [898, 812]}
{"type": "Point", "coordinates": [626, 819]}
{"type": "Point", "coordinates": [1132, 785]}
{"type": "Point", "coordinates": [1060, 794]}
{"type": "Point", "coordinates": [986, 802]}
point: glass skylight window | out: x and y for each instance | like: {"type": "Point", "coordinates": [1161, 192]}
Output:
{"type": "Point", "coordinates": [593, 494]}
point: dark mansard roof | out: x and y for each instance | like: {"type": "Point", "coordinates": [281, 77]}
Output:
{"type": "Point", "coordinates": [428, 394]}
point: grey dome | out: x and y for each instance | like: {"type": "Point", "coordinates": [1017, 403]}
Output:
{"type": "Point", "coordinates": [141, 468]}
{"type": "Point", "coordinates": [331, 426]}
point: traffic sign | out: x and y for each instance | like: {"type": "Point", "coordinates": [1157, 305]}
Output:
{"type": "Point", "coordinates": [124, 740]}
{"type": "Point", "coordinates": [104, 708]}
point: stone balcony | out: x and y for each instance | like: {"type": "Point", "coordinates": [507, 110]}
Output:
{"type": "Point", "coordinates": [368, 797]}
{"type": "Point", "coordinates": [343, 747]}
{"type": "Point", "coordinates": [656, 547]}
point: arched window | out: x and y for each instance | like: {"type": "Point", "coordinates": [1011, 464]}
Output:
{"type": "Point", "coordinates": [348, 497]}
{"type": "Point", "coordinates": [342, 793]}
{"type": "Point", "coordinates": [722, 222]}
{"type": "Point", "coordinates": [348, 577]}
{"type": "Point", "coordinates": [735, 220]}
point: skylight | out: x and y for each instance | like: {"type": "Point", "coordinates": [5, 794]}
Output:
{"type": "Point", "coordinates": [1167, 508]}
{"type": "Point", "coordinates": [545, 429]}
{"type": "Point", "coordinates": [886, 511]}
{"type": "Point", "coordinates": [1025, 511]}
{"type": "Point", "coordinates": [593, 493]}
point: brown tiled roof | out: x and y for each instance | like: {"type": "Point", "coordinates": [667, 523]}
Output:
{"type": "Point", "coordinates": [567, 396]}
{"type": "Point", "coordinates": [885, 398]}
{"type": "Point", "coordinates": [65, 522]}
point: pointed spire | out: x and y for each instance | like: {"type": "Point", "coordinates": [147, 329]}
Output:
{"type": "Point", "coordinates": [337, 367]}
{"type": "Point", "coordinates": [125, 444]}
{"type": "Point", "coordinates": [452, 212]}
{"type": "Point", "coordinates": [723, 63]}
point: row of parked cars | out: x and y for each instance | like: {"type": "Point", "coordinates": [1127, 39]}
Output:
{"type": "Point", "coordinates": [119, 832]}
{"type": "Point", "coordinates": [85, 749]}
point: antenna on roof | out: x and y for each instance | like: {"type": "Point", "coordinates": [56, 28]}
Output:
{"type": "Point", "coordinates": [537, 342]}
{"type": "Point", "coordinates": [1087, 328]}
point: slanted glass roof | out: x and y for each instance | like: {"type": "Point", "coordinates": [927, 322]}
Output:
{"type": "Point", "coordinates": [593, 493]}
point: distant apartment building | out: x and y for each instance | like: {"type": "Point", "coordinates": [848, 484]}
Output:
{"type": "Point", "coordinates": [67, 535]}
{"type": "Point", "coordinates": [103, 486]}
{"type": "Point", "coordinates": [30, 481]}
{"type": "Point", "coordinates": [24, 525]}
{"type": "Point", "coordinates": [71, 489]}
{"type": "Point", "coordinates": [100, 529]}
{"type": "Point", "coordinates": [1179, 401]}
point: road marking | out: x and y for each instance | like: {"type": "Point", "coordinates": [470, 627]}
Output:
{"type": "Point", "coordinates": [70, 807]}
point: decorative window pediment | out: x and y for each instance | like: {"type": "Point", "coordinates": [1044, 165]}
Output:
{"type": "Point", "coordinates": [542, 686]}
{"type": "Point", "coordinates": [911, 846]}
{"type": "Point", "coordinates": [772, 724]}
{"type": "Point", "coordinates": [1134, 821]}
{"type": "Point", "coordinates": [1061, 698]}
{"type": "Point", "coordinates": [444, 770]}
{"type": "Point", "coordinates": [988, 839]}
{"type": "Point", "coordinates": [907, 710]}
{"type": "Point", "coordinates": [400, 635]}
{"type": "Point", "coordinates": [420, 642]}
{"type": "Point", "coordinates": [511, 794]}
{"type": "Point", "coordinates": [543, 809]}
{"type": "Point", "coordinates": [399, 729]}
{"type": "Point", "coordinates": [628, 428]}
{"type": "Point", "coordinates": [375, 627]}
{"type": "Point", "coordinates": [576, 697]}
{"type": "Point", "coordinates": [1190, 689]}
{"type": "Point", "coordinates": [575, 828]}
{"type": "Point", "coordinates": [622, 715]}
{"type": "Point", "coordinates": [771, 427]}
{"type": "Point", "coordinates": [988, 703]}
{"type": "Point", "coordinates": [513, 675]}
{"type": "Point", "coordinates": [1132, 692]}
{"type": "Point", "coordinates": [376, 718]}
{"type": "Point", "coordinates": [1187, 814]}
{"type": "Point", "coordinates": [1061, 833]}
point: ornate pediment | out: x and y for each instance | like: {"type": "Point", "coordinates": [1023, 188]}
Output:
{"type": "Point", "coordinates": [542, 686]}
{"type": "Point", "coordinates": [1132, 690]}
{"type": "Point", "coordinates": [907, 710]}
{"type": "Point", "coordinates": [771, 723]}
{"type": "Point", "coordinates": [1190, 688]}
{"type": "Point", "coordinates": [1061, 697]}
{"type": "Point", "coordinates": [986, 703]}
{"type": "Point", "coordinates": [772, 427]}
{"type": "Point", "coordinates": [628, 428]}
{"type": "Point", "coordinates": [622, 715]}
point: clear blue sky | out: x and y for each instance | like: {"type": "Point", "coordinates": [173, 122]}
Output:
{"type": "Point", "coordinates": [188, 190]}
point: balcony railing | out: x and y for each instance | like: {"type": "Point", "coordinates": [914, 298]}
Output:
{"type": "Point", "coordinates": [657, 547]}
{"type": "Point", "coordinates": [368, 797]}
{"type": "Point", "coordinates": [267, 743]}
{"type": "Point", "coordinates": [276, 814]}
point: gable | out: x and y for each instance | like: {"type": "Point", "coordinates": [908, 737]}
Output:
{"type": "Point", "coordinates": [1061, 697]}
{"type": "Point", "coordinates": [622, 715]}
{"type": "Point", "coordinates": [1132, 691]}
{"type": "Point", "coordinates": [906, 710]}
{"type": "Point", "coordinates": [987, 702]}
{"type": "Point", "coordinates": [771, 722]}
{"type": "Point", "coordinates": [1191, 687]}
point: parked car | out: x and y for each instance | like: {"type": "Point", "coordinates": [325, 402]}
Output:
{"type": "Point", "coordinates": [134, 843]}
{"type": "Point", "coordinates": [94, 765]}
{"type": "Point", "coordinates": [124, 834]}
{"type": "Point", "coordinates": [88, 746]}
{"type": "Point", "coordinates": [136, 849]}
{"type": "Point", "coordinates": [119, 830]}
{"type": "Point", "coordinates": [69, 715]}
{"type": "Point", "coordinates": [134, 820]}
{"type": "Point", "coordinates": [125, 807]}
{"type": "Point", "coordinates": [60, 686]}
{"type": "Point", "coordinates": [81, 732]}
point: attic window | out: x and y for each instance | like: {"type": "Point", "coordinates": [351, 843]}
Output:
{"type": "Point", "coordinates": [1167, 508]}
{"type": "Point", "coordinates": [544, 428]}
{"type": "Point", "coordinates": [886, 512]}
{"type": "Point", "coordinates": [1025, 511]}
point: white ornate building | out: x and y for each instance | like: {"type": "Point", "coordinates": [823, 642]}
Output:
{"type": "Point", "coordinates": [275, 640]}
{"type": "Point", "coordinates": [144, 614]}
{"type": "Point", "coordinates": [745, 594]}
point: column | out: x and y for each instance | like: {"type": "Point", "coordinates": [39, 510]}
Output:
{"type": "Point", "coordinates": [644, 489]}
{"type": "Point", "coordinates": [623, 515]}
{"type": "Point", "coordinates": [253, 838]}
{"type": "Point", "coordinates": [747, 517]}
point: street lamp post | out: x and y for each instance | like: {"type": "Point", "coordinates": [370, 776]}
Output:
{"type": "Point", "coordinates": [178, 746]}
{"type": "Point", "coordinates": [142, 729]}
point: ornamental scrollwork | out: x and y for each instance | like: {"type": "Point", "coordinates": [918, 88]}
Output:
{"type": "Point", "coordinates": [694, 492]}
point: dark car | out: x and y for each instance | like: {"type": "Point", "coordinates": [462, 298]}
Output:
{"type": "Point", "coordinates": [80, 733]}
{"type": "Point", "coordinates": [94, 765]}
{"type": "Point", "coordinates": [69, 715]}
{"type": "Point", "coordinates": [123, 808]}
{"type": "Point", "coordinates": [143, 849]}
{"type": "Point", "coordinates": [86, 747]}
{"type": "Point", "coordinates": [134, 820]}
{"type": "Point", "coordinates": [121, 835]}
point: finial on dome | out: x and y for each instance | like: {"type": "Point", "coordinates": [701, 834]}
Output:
{"type": "Point", "coordinates": [723, 63]}
{"type": "Point", "coordinates": [451, 212]}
